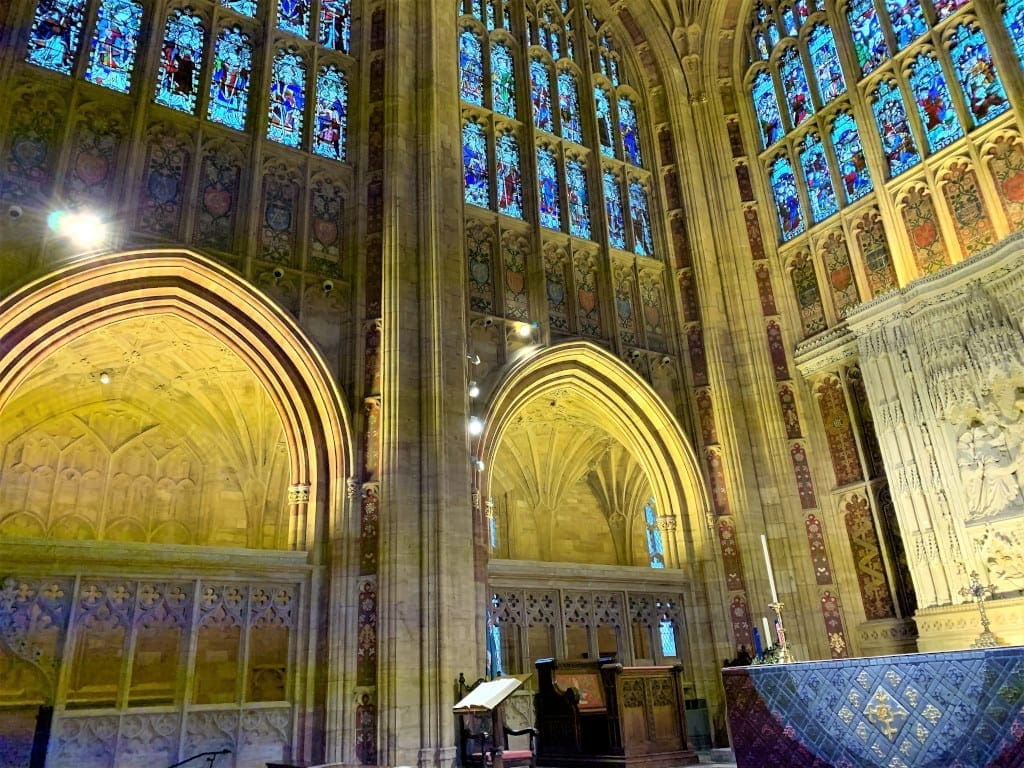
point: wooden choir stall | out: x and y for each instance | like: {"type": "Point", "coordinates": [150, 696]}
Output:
{"type": "Point", "coordinates": [610, 716]}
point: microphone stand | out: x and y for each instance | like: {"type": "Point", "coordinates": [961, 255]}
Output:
{"type": "Point", "coordinates": [210, 757]}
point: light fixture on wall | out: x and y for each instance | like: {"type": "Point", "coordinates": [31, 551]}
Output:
{"type": "Point", "coordinates": [476, 426]}
{"type": "Point", "coordinates": [473, 359]}
{"type": "Point", "coordinates": [474, 390]}
{"type": "Point", "coordinates": [104, 377]}
{"type": "Point", "coordinates": [478, 464]}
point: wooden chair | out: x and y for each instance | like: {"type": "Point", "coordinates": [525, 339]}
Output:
{"type": "Point", "coordinates": [484, 738]}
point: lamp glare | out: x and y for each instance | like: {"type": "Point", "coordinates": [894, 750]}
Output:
{"type": "Point", "coordinates": [476, 426]}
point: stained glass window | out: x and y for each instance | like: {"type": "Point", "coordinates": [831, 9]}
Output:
{"type": "Point", "coordinates": [293, 16]}
{"type": "Point", "coordinates": [629, 131]}
{"type": "Point", "coordinates": [789, 22]}
{"type": "Point", "coordinates": [640, 215]}
{"type": "Point", "coordinates": [820, 192]}
{"type": "Point", "coordinates": [474, 164]}
{"type": "Point", "coordinates": [794, 86]}
{"type": "Point", "coordinates": [825, 61]}
{"type": "Point", "coordinates": [866, 31]}
{"type": "Point", "coordinates": [1013, 17]}
{"type": "Point", "coordinates": [787, 199]}
{"type": "Point", "coordinates": [977, 74]}
{"type": "Point", "coordinates": [933, 102]}
{"type": "Point", "coordinates": [569, 107]}
{"type": "Point", "coordinates": [766, 104]}
{"type": "Point", "coordinates": [946, 8]}
{"type": "Point", "coordinates": [609, 62]}
{"type": "Point", "coordinates": [114, 43]}
{"type": "Point", "coordinates": [547, 182]}
{"type": "Point", "coordinates": [56, 34]}
{"type": "Point", "coordinates": [613, 206]}
{"type": "Point", "coordinates": [891, 119]}
{"type": "Point", "coordinates": [604, 121]}
{"type": "Point", "coordinates": [508, 177]}
{"type": "Point", "coordinates": [503, 83]}
{"type": "Point", "coordinates": [761, 45]}
{"type": "Point", "coordinates": [579, 199]}
{"type": "Point", "coordinates": [181, 59]}
{"type": "Point", "coordinates": [244, 7]}
{"type": "Point", "coordinates": [907, 19]}
{"type": "Point", "coordinates": [540, 95]}
{"type": "Point", "coordinates": [853, 168]}
{"type": "Point", "coordinates": [471, 68]}
{"type": "Point", "coordinates": [667, 633]}
{"type": "Point", "coordinates": [773, 34]}
{"type": "Point", "coordinates": [229, 86]}
{"type": "Point", "coordinates": [550, 37]}
{"type": "Point", "coordinates": [330, 113]}
{"type": "Point", "coordinates": [287, 99]}
{"type": "Point", "coordinates": [335, 24]}
{"type": "Point", "coordinates": [655, 547]}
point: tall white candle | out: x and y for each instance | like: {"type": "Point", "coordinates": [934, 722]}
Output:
{"type": "Point", "coordinates": [768, 563]}
{"type": "Point", "coordinates": [768, 639]}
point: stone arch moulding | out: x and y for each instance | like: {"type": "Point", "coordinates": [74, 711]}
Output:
{"type": "Point", "coordinates": [94, 291]}
{"type": "Point", "coordinates": [634, 412]}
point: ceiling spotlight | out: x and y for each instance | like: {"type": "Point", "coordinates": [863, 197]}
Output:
{"type": "Point", "coordinates": [476, 426]}
{"type": "Point", "coordinates": [474, 390]}
{"type": "Point", "coordinates": [104, 378]}
{"type": "Point", "coordinates": [83, 229]}
{"type": "Point", "coordinates": [478, 464]}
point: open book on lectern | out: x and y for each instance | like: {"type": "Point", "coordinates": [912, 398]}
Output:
{"type": "Point", "coordinates": [487, 695]}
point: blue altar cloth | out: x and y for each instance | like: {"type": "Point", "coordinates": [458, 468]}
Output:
{"type": "Point", "coordinates": [959, 709]}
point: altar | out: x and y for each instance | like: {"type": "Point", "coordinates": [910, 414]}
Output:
{"type": "Point", "coordinates": [958, 708]}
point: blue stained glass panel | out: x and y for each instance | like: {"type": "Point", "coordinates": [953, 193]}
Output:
{"type": "Point", "coordinates": [789, 22]}
{"type": "Point", "coordinates": [787, 199]}
{"type": "Point", "coordinates": [934, 103]}
{"type": "Point", "coordinates": [579, 198]}
{"type": "Point", "coordinates": [603, 108]}
{"type": "Point", "coordinates": [293, 16]}
{"type": "Point", "coordinates": [769, 118]}
{"type": "Point", "coordinates": [655, 546]}
{"type": "Point", "coordinates": [508, 176]}
{"type": "Point", "coordinates": [503, 82]}
{"type": "Point", "coordinates": [630, 131]}
{"type": "Point", "coordinates": [547, 181]}
{"type": "Point", "coordinates": [287, 99]}
{"type": "Point", "coordinates": [667, 632]}
{"type": "Point", "coordinates": [891, 118]}
{"type": "Point", "coordinates": [613, 207]}
{"type": "Point", "coordinates": [471, 68]}
{"type": "Point", "coordinates": [640, 214]}
{"type": "Point", "coordinates": [760, 13]}
{"type": "Point", "coordinates": [853, 168]}
{"type": "Point", "coordinates": [330, 113]}
{"type": "Point", "coordinates": [772, 31]}
{"type": "Point", "coordinates": [114, 43]}
{"type": "Point", "coordinates": [569, 107]}
{"type": "Point", "coordinates": [56, 33]}
{"type": "Point", "coordinates": [795, 88]}
{"type": "Point", "coordinates": [1013, 17]}
{"type": "Point", "coordinates": [907, 19]}
{"type": "Point", "coordinates": [540, 95]}
{"type": "Point", "coordinates": [761, 44]}
{"type": "Point", "coordinates": [820, 192]}
{"type": "Point", "coordinates": [182, 57]}
{"type": "Point", "coordinates": [229, 86]}
{"type": "Point", "coordinates": [866, 30]}
{"type": "Point", "coordinates": [335, 24]}
{"type": "Point", "coordinates": [977, 74]}
{"type": "Point", "coordinates": [474, 165]}
{"type": "Point", "coordinates": [825, 61]}
{"type": "Point", "coordinates": [244, 7]}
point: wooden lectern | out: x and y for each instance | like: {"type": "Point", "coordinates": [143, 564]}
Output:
{"type": "Point", "coordinates": [483, 737]}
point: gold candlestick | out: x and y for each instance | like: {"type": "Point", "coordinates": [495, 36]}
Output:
{"type": "Point", "coordinates": [784, 656]}
{"type": "Point", "coordinates": [980, 593]}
